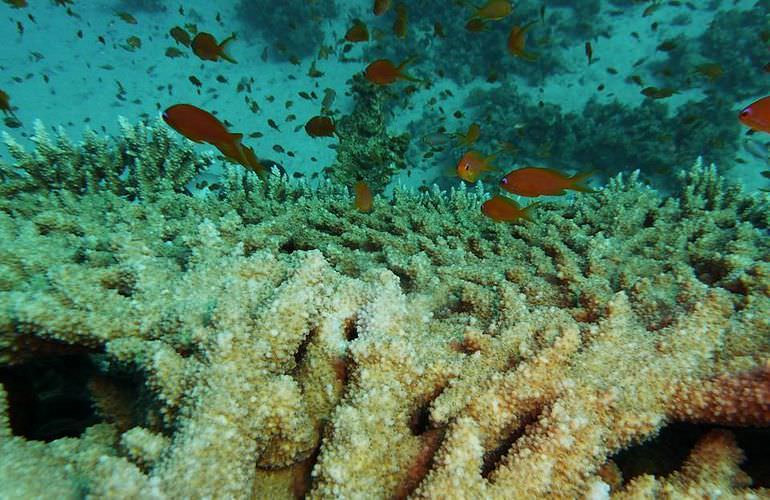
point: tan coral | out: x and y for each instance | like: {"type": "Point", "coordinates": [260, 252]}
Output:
{"type": "Point", "coordinates": [281, 343]}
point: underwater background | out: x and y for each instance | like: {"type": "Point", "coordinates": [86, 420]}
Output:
{"type": "Point", "coordinates": [375, 249]}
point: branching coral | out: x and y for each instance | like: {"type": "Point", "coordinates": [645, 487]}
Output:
{"type": "Point", "coordinates": [279, 343]}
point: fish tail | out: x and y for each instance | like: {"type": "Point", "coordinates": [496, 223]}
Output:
{"type": "Point", "coordinates": [527, 212]}
{"type": "Point", "coordinates": [577, 182]}
{"type": "Point", "coordinates": [224, 55]}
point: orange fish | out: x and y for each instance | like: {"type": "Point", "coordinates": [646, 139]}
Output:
{"type": "Point", "coordinates": [357, 33]}
{"type": "Point", "coordinates": [5, 104]}
{"type": "Point", "coordinates": [494, 10]}
{"type": "Point", "coordinates": [205, 46]}
{"type": "Point", "coordinates": [502, 209]}
{"type": "Point", "coordinates": [473, 164]}
{"type": "Point", "coordinates": [180, 35]}
{"type": "Point", "coordinates": [536, 181]}
{"type": "Point", "coordinates": [476, 25]}
{"type": "Point", "coordinates": [363, 201]}
{"type": "Point", "coordinates": [589, 52]}
{"type": "Point", "coordinates": [468, 138]}
{"type": "Point", "coordinates": [384, 72]}
{"type": "Point", "coordinates": [757, 115]}
{"type": "Point", "coordinates": [517, 39]}
{"type": "Point", "coordinates": [16, 4]}
{"type": "Point", "coordinates": [320, 126]}
{"type": "Point", "coordinates": [381, 7]}
{"type": "Point", "coordinates": [201, 126]}
{"type": "Point", "coordinates": [400, 24]}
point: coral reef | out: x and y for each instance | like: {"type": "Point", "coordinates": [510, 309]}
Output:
{"type": "Point", "coordinates": [271, 341]}
{"type": "Point", "coordinates": [366, 151]}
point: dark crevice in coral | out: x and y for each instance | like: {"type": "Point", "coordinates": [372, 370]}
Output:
{"type": "Point", "coordinates": [291, 245]}
{"type": "Point", "coordinates": [494, 457]}
{"type": "Point", "coordinates": [710, 272]}
{"type": "Point", "coordinates": [423, 462]}
{"type": "Point", "coordinates": [303, 475]}
{"type": "Point", "coordinates": [351, 331]}
{"type": "Point", "coordinates": [299, 354]}
{"type": "Point", "coordinates": [667, 452]}
{"type": "Point", "coordinates": [48, 398]}
{"type": "Point", "coordinates": [419, 422]}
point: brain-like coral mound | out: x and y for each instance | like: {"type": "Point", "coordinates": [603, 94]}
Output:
{"type": "Point", "coordinates": [269, 341]}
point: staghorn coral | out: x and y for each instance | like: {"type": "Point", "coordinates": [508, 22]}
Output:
{"type": "Point", "coordinates": [366, 151]}
{"type": "Point", "coordinates": [276, 342]}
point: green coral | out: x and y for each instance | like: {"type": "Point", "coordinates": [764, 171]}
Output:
{"type": "Point", "coordinates": [142, 164]}
{"type": "Point", "coordinates": [366, 150]}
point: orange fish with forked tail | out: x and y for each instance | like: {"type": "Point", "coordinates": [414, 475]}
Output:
{"type": "Point", "coordinates": [537, 181]}
{"type": "Point", "coordinates": [473, 164]}
{"type": "Point", "coordinates": [201, 126]}
{"type": "Point", "coordinates": [205, 46]}
{"type": "Point", "coordinates": [494, 10]}
{"type": "Point", "coordinates": [504, 209]}
{"type": "Point", "coordinates": [384, 72]}
{"type": "Point", "coordinates": [517, 39]}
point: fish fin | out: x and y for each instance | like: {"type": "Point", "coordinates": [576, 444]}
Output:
{"type": "Point", "coordinates": [236, 138]}
{"type": "Point", "coordinates": [488, 166]}
{"type": "Point", "coordinates": [409, 60]}
{"type": "Point", "coordinates": [527, 214]}
{"type": "Point", "coordinates": [224, 55]}
{"type": "Point", "coordinates": [577, 182]}
{"type": "Point", "coordinates": [528, 56]}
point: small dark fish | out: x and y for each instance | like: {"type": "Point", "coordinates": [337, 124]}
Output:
{"type": "Point", "coordinates": [272, 124]}
{"type": "Point", "coordinates": [125, 16]}
{"type": "Point", "coordinates": [173, 52]}
{"type": "Point", "coordinates": [195, 81]}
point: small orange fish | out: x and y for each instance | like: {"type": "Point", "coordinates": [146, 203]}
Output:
{"type": "Point", "coordinates": [589, 52]}
{"type": "Point", "coordinates": [363, 201]}
{"type": "Point", "coordinates": [381, 7]}
{"type": "Point", "coordinates": [503, 209]}
{"type": "Point", "coordinates": [5, 104]}
{"type": "Point", "coordinates": [400, 24]}
{"type": "Point", "coordinates": [205, 46]}
{"type": "Point", "coordinates": [357, 32]}
{"type": "Point", "coordinates": [180, 35]}
{"type": "Point", "coordinates": [16, 4]}
{"type": "Point", "coordinates": [517, 39]}
{"type": "Point", "coordinates": [476, 25]}
{"type": "Point", "coordinates": [473, 164]}
{"type": "Point", "coordinates": [537, 181]}
{"type": "Point", "coordinates": [468, 138]}
{"type": "Point", "coordinates": [320, 126]}
{"type": "Point", "coordinates": [384, 72]}
{"type": "Point", "coordinates": [756, 115]}
{"type": "Point", "coordinates": [494, 10]}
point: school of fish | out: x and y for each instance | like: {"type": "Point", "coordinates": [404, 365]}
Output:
{"type": "Point", "coordinates": [202, 126]}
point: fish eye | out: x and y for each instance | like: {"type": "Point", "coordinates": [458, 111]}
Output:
{"type": "Point", "coordinates": [504, 180]}
{"type": "Point", "coordinates": [745, 113]}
